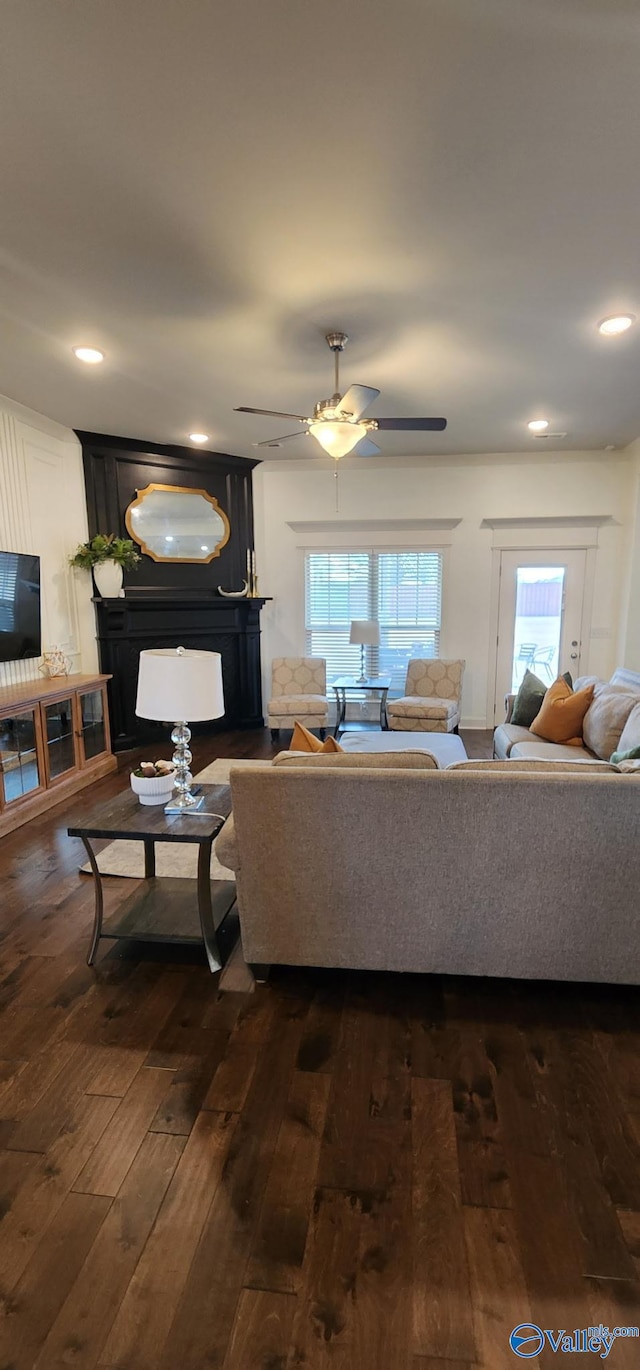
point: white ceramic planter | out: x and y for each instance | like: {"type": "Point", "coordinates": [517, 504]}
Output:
{"type": "Point", "coordinates": [108, 579]}
{"type": "Point", "coordinates": [153, 789]}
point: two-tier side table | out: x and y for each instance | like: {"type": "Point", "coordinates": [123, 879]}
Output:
{"type": "Point", "coordinates": [347, 684]}
{"type": "Point", "coordinates": [165, 908]}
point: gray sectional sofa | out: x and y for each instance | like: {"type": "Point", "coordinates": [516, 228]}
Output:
{"type": "Point", "coordinates": [612, 723]}
{"type": "Point", "coordinates": [504, 868]}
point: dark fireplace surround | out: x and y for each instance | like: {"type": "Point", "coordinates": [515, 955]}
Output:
{"type": "Point", "coordinates": [171, 604]}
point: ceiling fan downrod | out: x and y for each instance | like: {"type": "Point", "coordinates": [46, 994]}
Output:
{"type": "Point", "coordinates": [337, 342]}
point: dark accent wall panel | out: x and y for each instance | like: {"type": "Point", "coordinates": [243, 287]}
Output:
{"type": "Point", "coordinates": [171, 604]}
{"type": "Point", "coordinates": [115, 468]}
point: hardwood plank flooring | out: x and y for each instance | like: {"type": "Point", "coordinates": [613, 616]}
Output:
{"type": "Point", "coordinates": [332, 1171]}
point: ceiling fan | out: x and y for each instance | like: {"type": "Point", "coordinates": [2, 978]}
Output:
{"type": "Point", "coordinates": [337, 423]}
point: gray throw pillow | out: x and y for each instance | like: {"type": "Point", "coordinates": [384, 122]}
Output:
{"type": "Point", "coordinates": [528, 701]}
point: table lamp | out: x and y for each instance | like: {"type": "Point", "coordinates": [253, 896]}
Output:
{"type": "Point", "coordinates": [175, 683]}
{"type": "Point", "coordinates": [365, 632]}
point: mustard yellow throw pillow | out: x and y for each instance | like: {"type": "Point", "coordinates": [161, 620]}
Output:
{"type": "Point", "coordinates": [304, 741]}
{"type": "Point", "coordinates": [562, 712]}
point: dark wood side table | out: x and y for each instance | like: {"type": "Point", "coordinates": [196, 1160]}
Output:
{"type": "Point", "coordinates": [165, 908]}
{"type": "Point", "coordinates": [345, 684]}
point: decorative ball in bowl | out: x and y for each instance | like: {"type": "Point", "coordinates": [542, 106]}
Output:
{"type": "Point", "coordinates": [153, 781]}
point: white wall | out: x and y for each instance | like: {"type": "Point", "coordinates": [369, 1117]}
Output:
{"type": "Point", "coordinates": [631, 605]}
{"type": "Point", "coordinates": [43, 511]}
{"type": "Point", "coordinates": [473, 488]}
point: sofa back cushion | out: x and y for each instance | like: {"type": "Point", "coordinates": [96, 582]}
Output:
{"type": "Point", "coordinates": [396, 761]}
{"type": "Point", "coordinates": [605, 719]}
{"type": "Point", "coordinates": [584, 680]}
{"type": "Point", "coordinates": [562, 712]}
{"type": "Point", "coordinates": [530, 765]}
{"type": "Point", "coordinates": [629, 680]}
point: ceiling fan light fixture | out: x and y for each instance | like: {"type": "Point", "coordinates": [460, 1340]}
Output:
{"type": "Point", "coordinates": [338, 439]}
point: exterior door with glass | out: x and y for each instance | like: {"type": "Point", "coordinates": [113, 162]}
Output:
{"type": "Point", "coordinates": [540, 618]}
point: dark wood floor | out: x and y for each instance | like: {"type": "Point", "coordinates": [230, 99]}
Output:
{"type": "Point", "coordinates": [336, 1170]}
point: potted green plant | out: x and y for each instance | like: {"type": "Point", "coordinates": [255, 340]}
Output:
{"type": "Point", "coordinates": [107, 556]}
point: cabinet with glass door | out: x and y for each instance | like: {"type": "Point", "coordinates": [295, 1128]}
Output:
{"type": "Point", "coordinates": [21, 762]}
{"type": "Point", "coordinates": [54, 740]}
{"type": "Point", "coordinates": [58, 734]}
{"type": "Point", "coordinates": [92, 723]}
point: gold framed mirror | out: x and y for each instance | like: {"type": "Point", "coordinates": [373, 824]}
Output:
{"type": "Point", "coordinates": [177, 523]}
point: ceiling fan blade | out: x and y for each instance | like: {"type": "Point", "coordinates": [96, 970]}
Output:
{"type": "Point", "coordinates": [366, 448]}
{"type": "Point", "coordinates": [357, 399]}
{"type": "Point", "coordinates": [275, 442]}
{"type": "Point", "coordinates": [271, 413]}
{"type": "Point", "coordinates": [413, 425]}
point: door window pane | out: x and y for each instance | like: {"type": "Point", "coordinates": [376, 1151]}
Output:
{"type": "Point", "coordinates": [18, 756]}
{"type": "Point", "coordinates": [93, 730]}
{"type": "Point", "coordinates": [538, 625]}
{"type": "Point", "coordinates": [59, 735]}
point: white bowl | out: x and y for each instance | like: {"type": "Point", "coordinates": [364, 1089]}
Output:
{"type": "Point", "coordinates": [153, 789]}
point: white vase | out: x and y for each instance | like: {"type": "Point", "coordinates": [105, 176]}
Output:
{"type": "Point", "coordinates": [108, 579]}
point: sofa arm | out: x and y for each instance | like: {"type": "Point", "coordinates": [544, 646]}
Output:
{"type": "Point", "coordinates": [509, 701]}
{"type": "Point", "coordinates": [226, 846]}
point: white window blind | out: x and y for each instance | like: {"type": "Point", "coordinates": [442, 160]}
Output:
{"type": "Point", "coordinates": [8, 577]}
{"type": "Point", "coordinates": [402, 590]}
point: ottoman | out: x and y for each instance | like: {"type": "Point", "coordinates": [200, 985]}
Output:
{"type": "Point", "coordinates": [446, 747]}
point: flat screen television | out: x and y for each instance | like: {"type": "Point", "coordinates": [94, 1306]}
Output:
{"type": "Point", "coordinates": [20, 634]}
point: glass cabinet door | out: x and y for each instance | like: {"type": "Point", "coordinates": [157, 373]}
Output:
{"type": "Point", "coordinates": [19, 765]}
{"type": "Point", "coordinates": [58, 737]}
{"type": "Point", "coordinates": [92, 723]}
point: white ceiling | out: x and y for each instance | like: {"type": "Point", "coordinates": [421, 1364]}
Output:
{"type": "Point", "coordinates": [203, 189]}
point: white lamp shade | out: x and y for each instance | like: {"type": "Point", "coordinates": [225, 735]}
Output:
{"type": "Point", "coordinates": [338, 438]}
{"type": "Point", "coordinates": [365, 632]}
{"type": "Point", "coordinates": [179, 686]}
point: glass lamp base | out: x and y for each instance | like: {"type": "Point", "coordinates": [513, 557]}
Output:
{"type": "Point", "coordinates": [182, 799]}
{"type": "Point", "coordinates": [187, 803]}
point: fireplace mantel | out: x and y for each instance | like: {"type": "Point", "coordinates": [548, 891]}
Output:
{"type": "Point", "coordinates": [179, 619]}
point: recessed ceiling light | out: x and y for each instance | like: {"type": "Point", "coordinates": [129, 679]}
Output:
{"type": "Point", "coordinates": [204, 549]}
{"type": "Point", "coordinates": [88, 354]}
{"type": "Point", "coordinates": [537, 425]}
{"type": "Point", "coordinates": [198, 437]}
{"type": "Point", "coordinates": [618, 323]}
{"type": "Point", "coordinates": [168, 538]}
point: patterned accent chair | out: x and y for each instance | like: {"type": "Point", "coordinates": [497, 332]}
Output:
{"type": "Point", "coordinates": [432, 700]}
{"type": "Point", "coordinates": [298, 691]}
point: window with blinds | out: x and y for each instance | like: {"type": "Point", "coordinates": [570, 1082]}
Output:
{"type": "Point", "coordinates": [8, 578]}
{"type": "Point", "coordinates": [402, 590]}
